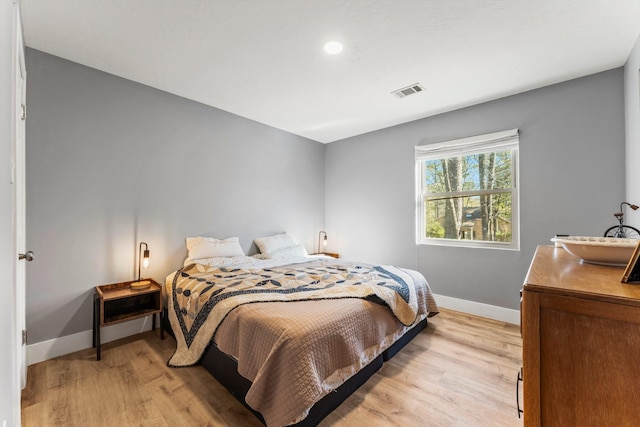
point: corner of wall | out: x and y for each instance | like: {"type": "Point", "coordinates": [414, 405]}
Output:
{"type": "Point", "coordinates": [632, 129]}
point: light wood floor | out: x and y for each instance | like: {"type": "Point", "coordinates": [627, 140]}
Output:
{"type": "Point", "coordinates": [459, 371]}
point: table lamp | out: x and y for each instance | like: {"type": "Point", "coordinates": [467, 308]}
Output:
{"type": "Point", "coordinates": [143, 260]}
{"type": "Point", "coordinates": [320, 239]}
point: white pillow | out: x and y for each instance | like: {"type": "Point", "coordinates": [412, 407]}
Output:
{"type": "Point", "coordinates": [292, 251]}
{"type": "Point", "coordinates": [227, 261]}
{"type": "Point", "coordinates": [270, 244]}
{"type": "Point", "coordinates": [208, 247]}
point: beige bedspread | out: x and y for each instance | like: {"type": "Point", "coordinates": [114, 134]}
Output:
{"type": "Point", "coordinates": [297, 352]}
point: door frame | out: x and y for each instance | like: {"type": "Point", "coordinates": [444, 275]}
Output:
{"type": "Point", "coordinates": [19, 183]}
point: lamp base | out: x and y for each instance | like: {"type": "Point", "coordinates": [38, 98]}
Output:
{"type": "Point", "coordinates": [142, 284]}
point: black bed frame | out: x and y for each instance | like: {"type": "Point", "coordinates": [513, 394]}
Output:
{"type": "Point", "coordinates": [225, 370]}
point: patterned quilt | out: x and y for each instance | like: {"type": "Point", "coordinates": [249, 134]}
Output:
{"type": "Point", "coordinates": [201, 297]}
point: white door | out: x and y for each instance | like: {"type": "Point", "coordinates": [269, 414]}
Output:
{"type": "Point", "coordinates": [19, 204]}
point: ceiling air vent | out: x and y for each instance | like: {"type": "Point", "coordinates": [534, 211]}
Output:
{"type": "Point", "coordinates": [409, 90]}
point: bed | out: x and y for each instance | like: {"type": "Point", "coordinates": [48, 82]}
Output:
{"type": "Point", "coordinates": [292, 336]}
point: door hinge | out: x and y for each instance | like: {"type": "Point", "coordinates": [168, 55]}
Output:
{"type": "Point", "coordinates": [24, 337]}
{"type": "Point", "coordinates": [24, 112]}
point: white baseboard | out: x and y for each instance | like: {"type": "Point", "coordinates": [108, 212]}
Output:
{"type": "Point", "coordinates": [45, 350]}
{"type": "Point", "coordinates": [479, 309]}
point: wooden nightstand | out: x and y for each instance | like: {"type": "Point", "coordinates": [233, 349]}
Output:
{"type": "Point", "coordinates": [331, 254]}
{"type": "Point", "coordinates": [117, 303]}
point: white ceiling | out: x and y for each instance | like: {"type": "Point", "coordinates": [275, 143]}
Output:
{"type": "Point", "coordinates": [263, 59]}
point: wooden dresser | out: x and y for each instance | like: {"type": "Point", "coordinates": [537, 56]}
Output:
{"type": "Point", "coordinates": [581, 343]}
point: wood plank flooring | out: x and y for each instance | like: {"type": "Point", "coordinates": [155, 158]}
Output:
{"type": "Point", "coordinates": [459, 371]}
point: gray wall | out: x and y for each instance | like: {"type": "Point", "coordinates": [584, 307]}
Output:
{"type": "Point", "coordinates": [571, 180]}
{"type": "Point", "coordinates": [111, 163]}
{"type": "Point", "coordinates": [632, 130]}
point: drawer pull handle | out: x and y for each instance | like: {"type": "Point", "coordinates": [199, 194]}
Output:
{"type": "Point", "coordinates": [520, 411]}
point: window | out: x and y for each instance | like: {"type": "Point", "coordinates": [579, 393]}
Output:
{"type": "Point", "coordinates": [467, 192]}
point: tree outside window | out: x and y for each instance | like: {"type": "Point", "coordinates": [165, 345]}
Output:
{"type": "Point", "coordinates": [467, 192]}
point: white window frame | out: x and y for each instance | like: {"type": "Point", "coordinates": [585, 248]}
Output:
{"type": "Point", "coordinates": [497, 141]}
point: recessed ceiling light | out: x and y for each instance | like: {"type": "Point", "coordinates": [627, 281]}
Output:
{"type": "Point", "coordinates": [333, 47]}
